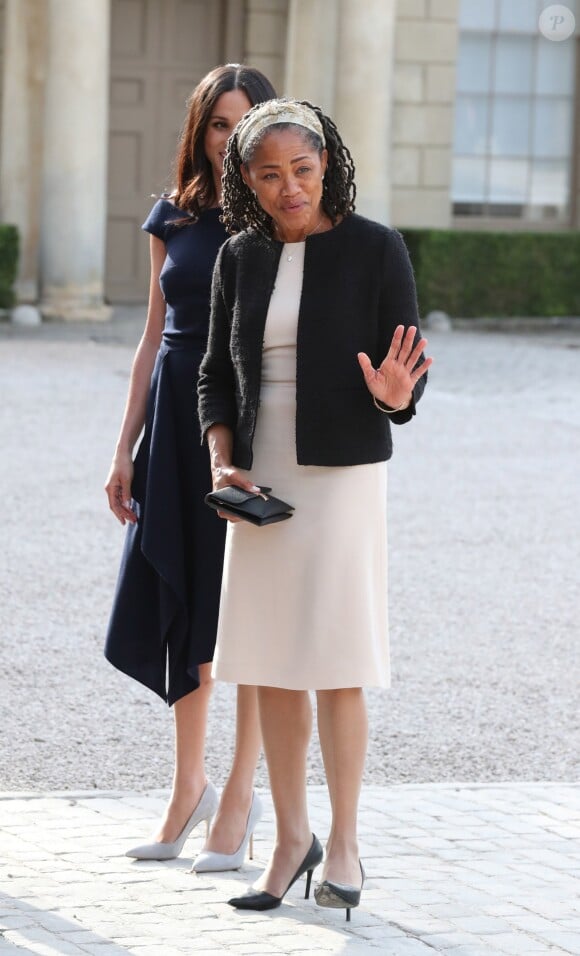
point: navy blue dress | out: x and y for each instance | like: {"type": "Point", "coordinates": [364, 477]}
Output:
{"type": "Point", "coordinates": [164, 616]}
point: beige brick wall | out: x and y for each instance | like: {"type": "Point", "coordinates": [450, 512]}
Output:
{"type": "Point", "coordinates": [265, 38]}
{"type": "Point", "coordinates": [424, 94]}
{"type": "Point", "coordinates": [1, 55]}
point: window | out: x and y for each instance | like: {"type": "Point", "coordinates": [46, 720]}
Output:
{"type": "Point", "coordinates": [514, 114]}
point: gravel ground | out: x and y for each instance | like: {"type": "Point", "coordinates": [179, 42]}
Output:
{"type": "Point", "coordinates": [483, 584]}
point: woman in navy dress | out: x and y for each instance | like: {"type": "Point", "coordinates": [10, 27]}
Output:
{"type": "Point", "coordinates": [163, 623]}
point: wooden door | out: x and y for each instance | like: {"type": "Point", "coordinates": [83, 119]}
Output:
{"type": "Point", "coordinates": [159, 51]}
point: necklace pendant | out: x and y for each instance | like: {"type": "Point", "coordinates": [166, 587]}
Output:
{"type": "Point", "coordinates": [289, 258]}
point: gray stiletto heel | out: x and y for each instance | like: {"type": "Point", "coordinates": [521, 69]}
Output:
{"type": "Point", "coordinates": [205, 810]}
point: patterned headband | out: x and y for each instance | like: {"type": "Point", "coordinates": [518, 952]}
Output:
{"type": "Point", "coordinates": [273, 112]}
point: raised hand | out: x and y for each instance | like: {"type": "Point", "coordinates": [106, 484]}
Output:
{"type": "Point", "coordinates": [393, 382]}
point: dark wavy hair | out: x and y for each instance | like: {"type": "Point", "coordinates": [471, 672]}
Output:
{"type": "Point", "coordinates": [194, 185]}
{"type": "Point", "coordinates": [241, 209]}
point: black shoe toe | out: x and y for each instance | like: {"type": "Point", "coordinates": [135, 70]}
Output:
{"type": "Point", "coordinates": [255, 901]}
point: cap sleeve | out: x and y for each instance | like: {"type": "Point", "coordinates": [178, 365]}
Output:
{"type": "Point", "coordinates": [159, 220]}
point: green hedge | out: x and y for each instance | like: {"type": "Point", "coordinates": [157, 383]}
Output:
{"type": "Point", "coordinates": [8, 264]}
{"type": "Point", "coordinates": [473, 274]}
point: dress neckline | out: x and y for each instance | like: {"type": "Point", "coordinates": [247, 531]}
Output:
{"type": "Point", "coordinates": [186, 212]}
{"type": "Point", "coordinates": [291, 249]}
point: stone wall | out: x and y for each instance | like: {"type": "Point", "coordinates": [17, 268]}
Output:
{"type": "Point", "coordinates": [576, 151]}
{"type": "Point", "coordinates": [265, 38]}
{"type": "Point", "coordinates": [424, 94]}
{"type": "Point", "coordinates": [2, 8]}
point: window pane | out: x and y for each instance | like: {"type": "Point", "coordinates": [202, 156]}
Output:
{"type": "Point", "coordinates": [468, 180]}
{"type": "Point", "coordinates": [550, 183]}
{"type": "Point", "coordinates": [471, 118]}
{"type": "Point", "coordinates": [510, 135]}
{"type": "Point", "coordinates": [555, 68]}
{"type": "Point", "coordinates": [518, 15]}
{"type": "Point", "coordinates": [513, 64]}
{"type": "Point", "coordinates": [474, 64]}
{"type": "Point", "coordinates": [553, 127]}
{"type": "Point", "coordinates": [508, 180]}
{"type": "Point", "coordinates": [514, 112]}
{"type": "Point", "coordinates": [477, 15]}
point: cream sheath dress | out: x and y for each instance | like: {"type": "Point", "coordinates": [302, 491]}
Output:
{"type": "Point", "coordinates": [304, 601]}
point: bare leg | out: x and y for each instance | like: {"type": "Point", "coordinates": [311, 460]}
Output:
{"type": "Point", "coordinates": [189, 779]}
{"type": "Point", "coordinates": [286, 719]}
{"type": "Point", "coordinates": [343, 729]}
{"type": "Point", "coordinates": [230, 822]}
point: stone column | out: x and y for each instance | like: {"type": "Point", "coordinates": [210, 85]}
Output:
{"type": "Point", "coordinates": [311, 52]}
{"type": "Point", "coordinates": [364, 94]}
{"type": "Point", "coordinates": [21, 137]}
{"type": "Point", "coordinates": [74, 193]}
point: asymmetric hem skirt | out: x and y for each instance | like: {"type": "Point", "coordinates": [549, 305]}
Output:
{"type": "Point", "coordinates": [164, 616]}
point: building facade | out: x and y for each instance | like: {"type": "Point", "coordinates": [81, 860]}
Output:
{"type": "Point", "coordinates": [458, 113]}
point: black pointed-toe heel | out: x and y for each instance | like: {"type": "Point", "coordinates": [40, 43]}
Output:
{"type": "Point", "coordinates": [260, 900]}
{"type": "Point", "coordinates": [339, 895]}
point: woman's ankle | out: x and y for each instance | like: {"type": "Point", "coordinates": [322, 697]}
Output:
{"type": "Point", "coordinates": [341, 861]}
{"type": "Point", "coordinates": [187, 789]}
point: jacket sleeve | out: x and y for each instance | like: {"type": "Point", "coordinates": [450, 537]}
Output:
{"type": "Point", "coordinates": [216, 382]}
{"type": "Point", "coordinates": [399, 307]}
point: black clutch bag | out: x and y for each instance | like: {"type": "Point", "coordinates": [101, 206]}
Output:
{"type": "Point", "coordinates": [258, 508]}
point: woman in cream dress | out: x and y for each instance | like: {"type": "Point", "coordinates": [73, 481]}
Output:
{"type": "Point", "coordinates": [300, 634]}
{"type": "Point", "coordinates": [314, 347]}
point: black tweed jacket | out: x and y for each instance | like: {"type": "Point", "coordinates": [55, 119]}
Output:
{"type": "Point", "coordinates": [358, 286]}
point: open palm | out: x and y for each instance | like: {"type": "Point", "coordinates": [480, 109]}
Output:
{"type": "Point", "coordinates": [393, 382]}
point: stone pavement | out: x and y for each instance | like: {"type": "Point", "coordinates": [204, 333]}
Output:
{"type": "Point", "coordinates": [466, 870]}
